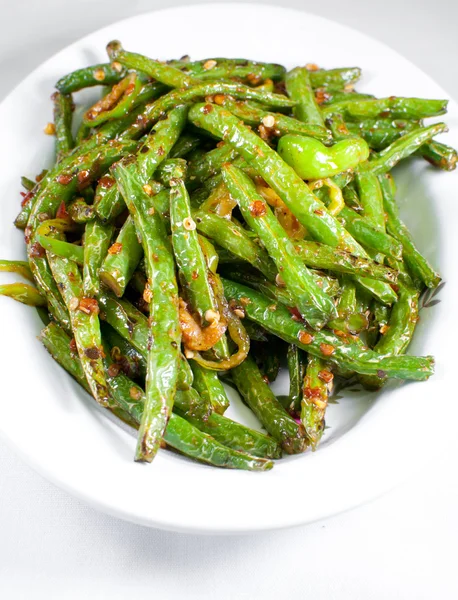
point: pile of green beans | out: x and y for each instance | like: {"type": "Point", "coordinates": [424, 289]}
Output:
{"type": "Point", "coordinates": [211, 221]}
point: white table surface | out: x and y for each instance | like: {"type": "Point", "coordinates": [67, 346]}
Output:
{"type": "Point", "coordinates": [403, 545]}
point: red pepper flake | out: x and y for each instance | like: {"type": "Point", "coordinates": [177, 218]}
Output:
{"type": "Point", "coordinates": [93, 353]}
{"type": "Point", "coordinates": [305, 337]}
{"type": "Point", "coordinates": [113, 370]}
{"type": "Point", "coordinates": [312, 67]}
{"type": "Point", "coordinates": [129, 89]}
{"type": "Point", "coordinates": [72, 345]}
{"type": "Point", "coordinates": [327, 349]}
{"type": "Point", "coordinates": [195, 275]}
{"type": "Point", "coordinates": [107, 181]}
{"type": "Point", "coordinates": [64, 178]}
{"type": "Point", "coordinates": [135, 393]}
{"type": "Point", "coordinates": [27, 234]}
{"type": "Point", "coordinates": [160, 151]}
{"type": "Point", "coordinates": [26, 197]}
{"type": "Point", "coordinates": [319, 212]}
{"type": "Point", "coordinates": [381, 374]}
{"type": "Point", "coordinates": [258, 208]}
{"type": "Point", "coordinates": [266, 379]}
{"type": "Point", "coordinates": [207, 109]}
{"type": "Point", "coordinates": [37, 250]}
{"type": "Point", "coordinates": [254, 79]}
{"type": "Point", "coordinates": [219, 99]}
{"type": "Point", "coordinates": [89, 306]}
{"type": "Point", "coordinates": [83, 177]}
{"type": "Point", "coordinates": [115, 248]}
{"type": "Point", "coordinates": [62, 211]}
{"type": "Point", "coordinates": [321, 95]}
{"type": "Point", "coordinates": [325, 376]}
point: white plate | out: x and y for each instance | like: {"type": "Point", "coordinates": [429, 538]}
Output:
{"type": "Point", "coordinates": [373, 440]}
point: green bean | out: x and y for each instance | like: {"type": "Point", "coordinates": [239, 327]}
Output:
{"type": "Point", "coordinates": [130, 398]}
{"type": "Point", "coordinates": [116, 104]}
{"type": "Point", "coordinates": [166, 74]}
{"type": "Point", "coordinates": [299, 88]}
{"type": "Point", "coordinates": [129, 359]}
{"type": "Point", "coordinates": [63, 109]}
{"type": "Point", "coordinates": [108, 202]}
{"type": "Point", "coordinates": [163, 359]}
{"type": "Point", "coordinates": [97, 240]}
{"type": "Point", "coordinates": [192, 265]}
{"type": "Point", "coordinates": [237, 436]}
{"type": "Point", "coordinates": [23, 292]}
{"type": "Point", "coordinates": [203, 167]}
{"type": "Point", "coordinates": [85, 324]}
{"type": "Point", "coordinates": [296, 369]}
{"type": "Point", "coordinates": [315, 398]}
{"type": "Point", "coordinates": [320, 256]}
{"type": "Point", "coordinates": [103, 74]}
{"type": "Point", "coordinates": [416, 263]}
{"type": "Point", "coordinates": [154, 111]}
{"type": "Point", "coordinates": [385, 160]}
{"type": "Point", "coordinates": [275, 123]}
{"type": "Point", "coordinates": [58, 344]}
{"type": "Point", "coordinates": [233, 238]}
{"type": "Point", "coordinates": [122, 259]}
{"type": "Point", "coordinates": [169, 170]}
{"type": "Point", "coordinates": [80, 211]}
{"type": "Point", "coordinates": [61, 248]}
{"type": "Point", "coordinates": [397, 333]}
{"type": "Point", "coordinates": [371, 199]}
{"type": "Point", "coordinates": [266, 407]}
{"type": "Point", "coordinates": [209, 386]}
{"type": "Point", "coordinates": [379, 315]}
{"type": "Point", "coordinates": [350, 319]}
{"type": "Point", "coordinates": [185, 144]}
{"type": "Point", "coordinates": [323, 344]}
{"type": "Point", "coordinates": [335, 79]}
{"type": "Point", "coordinates": [21, 267]}
{"type": "Point", "coordinates": [439, 155]}
{"type": "Point", "coordinates": [226, 68]}
{"type": "Point", "coordinates": [314, 305]}
{"type": "Point", "coordinates": [393, 107]}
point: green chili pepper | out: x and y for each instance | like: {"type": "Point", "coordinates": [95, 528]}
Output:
{"type": "Point", "coordinates": [312, 160]}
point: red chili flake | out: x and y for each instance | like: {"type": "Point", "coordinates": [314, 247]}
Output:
{"type": "Point", "coordinates": [135, 393]}
{"type": "Point", "coordinates": [92, 353]}
{"type": "Point", "coordinates": [26, 197]}
{"type": "Point", "coordinates": [321, 95]}
{"type": "Point", "coordinates": [253, 78]}
{"type": "Point", "coordinates": [89, 306]}
{"type": "Point", "coordinates": [312, 392]}
{"type": "Point", "coordinates": [27, 234]}
{"type": "Point", "coordinates": [72, 345]}
{"type": "Point", "coordinates": [295, 314]}
{"type": "Point", "coordinates": [64, 178]}
{"type": "Point", "coordinates": [305, 337]}
{"type": "Point", "coordinates": [207, 109]}
{"type": "Point", "coordinates": [37, 250]}
{"type": "Point", "coordinates": [258, 208]}
{"type": "Point", "coordinates": [160, 151]}
{"type": "Point", "coordinates": [319, 212]}
{"type": "Point", "coordinates": [115, 248]}
{"type": "Point", "coordinates": [106, 181]}
{"type": "Point", "coordinates": [83, 177]}
{"type": "Point", "coordinates": [129, 89]}
{"type": "Point", "coordinates": [219, 99]}
{"type": "Point", "coordinates": [62, 211]}
{"type": "Point", "coordinates": [326, 376]}
{"type": "Point", "coordinates": [266, 379]}
{"type": "Point", "coordinates": [381, 373]}
{"type": "Point", "coordinates": [220, 144]}
{"type": "Point", "coordinates": [113, 370]}
{"type": "Point", "coordinates": [195, 275]}
{"type": "Point", "coordinates": [327, 349]}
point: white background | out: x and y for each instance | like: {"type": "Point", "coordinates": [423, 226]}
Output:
{"type": "Point", "coordinates": [403, 545]}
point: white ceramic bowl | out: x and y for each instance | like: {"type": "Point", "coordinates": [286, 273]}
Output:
{"type": "Point", "coordinates": [372, 440]}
